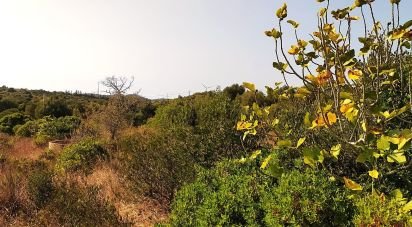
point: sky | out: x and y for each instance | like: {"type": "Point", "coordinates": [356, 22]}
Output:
{"type": "Point", "coordinates": [170, 47]}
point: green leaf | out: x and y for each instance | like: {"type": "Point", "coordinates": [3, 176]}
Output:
{"type": "Point", "coordinates": [397, 156]}
{"type": "Point", "coordinates": [383, 143]}
{"type": "Point", "coordinates": [284, 143]}
{"type": "Point", "coordinates": [306, 120]}
{"type": "Point", "coordinates": [365, 156]}
{"type": "Point", "coordinates": [311, 156]}
{"type": "Point", "coordinates": [335, 151]}
{"type": "Point", "coordinates": [300, 142]}
{"type": "Point", "coordinates": [407, 24]}
{"type": "Point", "coordinates": [280, 66]}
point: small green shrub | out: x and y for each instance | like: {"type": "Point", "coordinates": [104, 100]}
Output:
{"type": "Point", "coordinates": [80, 155]}
{"type": "Point", "coordinates": [40, 186]}
{"type": "Point", "coordinates": [238, 194]}
{"type": "Point", "coordinates": [228, 195]}
{"type": "Point", "coordinates": [157, 163]}
{"type": "Point", "coordinates": [379, 210]}
{"type": "Point", "coordinates": [76, 206]}
{"type": "Point", "coordinates": [307, 198]}
{"type": "Point", "coordinates": [27, 130]}
{"type": "Point", "coordinates": [8, 122]}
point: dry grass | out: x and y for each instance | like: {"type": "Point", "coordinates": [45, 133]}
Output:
{"type": "Point", "coordinates": [25, 148]}
{"type": "Point", "coordinates": [132, 209]}
{"type": "Point", "coordinates": [14, 197]}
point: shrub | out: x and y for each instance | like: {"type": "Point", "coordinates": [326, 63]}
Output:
{"type": "Point", "coordinates": [307, 198]}
{"type": "Point", "coordinates": [80, 155]}
{"type": "Point", "coordinates": [76, 206]}
{"type": "Point", "coordinates": [379, 210]}
{"type": "Point", "coordinates": [8, 122]}
{"type": "Point", "coordinates": [40, 186]}
{"type": "Point", "coordinates": [228, 195]}
{"type": "Point", "coordinates": [27, 130]}
{"type": "Point", "coordinates": [157, 163]}
{"type": "Point", "coordinates": [236, 193]}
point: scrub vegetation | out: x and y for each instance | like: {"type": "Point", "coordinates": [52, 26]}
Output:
{"type": "Point", "coordinates": [335, 151]}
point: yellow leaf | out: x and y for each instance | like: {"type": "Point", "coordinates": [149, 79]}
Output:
{"type": "Point", "coordinates": [282, 12]}
{"type": "Point", "coordinates": [255, 154]}
{"type": "Point", "coordinates": [302, 43]}
{"type": "Point", "coordinates": [331, 118]}
{"type": "Point", "coordinates": [364, 126]}
{"type": "Point", "coordinates": [266, 162]}
{"type": "Point", "coordinates": [293, 50]}
{"type": "Point", "coordinates": [335, 150]}
{"type": "Point", "coordinates": [352, 185]}
{"type": "Point", "coordinates": [249, 86]}
{"type": "Point", "coordinates": [355, 74]}
{"type": "Point", "coordinates": [374, 174]}
{"type": "Point", "coordinates": [300, 142]}
{"type": "Point", "coordinates": [407, 207]}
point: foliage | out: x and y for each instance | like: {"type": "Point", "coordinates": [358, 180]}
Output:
{"type": "Point", "coordinates": [156, 162]}
{"type": "Point", "coordinates": [49, 127]}
{"type": "Point", "coordinates": [238, 193]}
{"type": "Point", "coordinates": [54, 108]}
{"type": "Point", "coordinates": [81, 155]}
{"type": "Point", "coordinates": [354, 108]}
{"type": "Point", "coordinates": [75, 206]}
{"type": "Point", "coordinates": [40, 186]}
{"type": "Point", "coordinates": [379, 210]}
{"type": "Point", "coordinates": [8, 122]}
{"type": "Point", "coordinates": [307, 198]}
{"type": "Point", "coordinates": [205, 122]}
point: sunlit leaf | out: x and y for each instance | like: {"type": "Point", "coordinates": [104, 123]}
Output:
{"type": "Point", "coordinates": [249, 86]}
{"type": "Point", "coordinates": [293, 23]}
{"type": "Point", "coordinates": [397, 156]}
{"type": "Point", "coordinates": [407, 207]}
{"type": "Point", "coordinates": [282, 12]}
{"type": "Point", "coordinates": [266, 162]}
{"type": "Point", "coordinates": [373, 173]}
{"type": "Point", "coordinates": [255, 154]}
{"type": "Point", "coordinates": [335, 150]}
{"type": "Point", "coordinates": [300, 142]}
{"type": "Point", "coordinates": [293, 50]}
{"type": "Point", "coordinates": [352, 185]}
{"type": "Point", "coordinates": [355, 74]}
{"type": "Point", "coordinates": [383, 143]}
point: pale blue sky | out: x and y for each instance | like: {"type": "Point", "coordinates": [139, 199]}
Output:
{"type": "Point", "coordinates": [171, 47]}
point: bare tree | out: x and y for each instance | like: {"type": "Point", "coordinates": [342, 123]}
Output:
{"type": "Point", "coordinates": [119, 110]}
{"type": "Point", "coordinates": [117, 85]}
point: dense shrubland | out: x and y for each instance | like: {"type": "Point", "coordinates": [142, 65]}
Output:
{"type": "Point", "coordinates": [333, 152]}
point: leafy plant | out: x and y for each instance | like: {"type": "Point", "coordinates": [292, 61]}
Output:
{"type": "Point", "coordinates": [81, 155]}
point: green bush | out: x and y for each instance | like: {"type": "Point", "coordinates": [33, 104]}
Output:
{"type": "Point", "coordinates": [81, 155]}
{"type": "Point", "coordinates": [75, 206]}
{"type": "Point", "coordinates": [307, 198]}
{"type": "Point", "coordinates": [8, 122]}
{"type": "Point", "coordinates": [239, 194]}
{"type": "Point", "coordinates": [27, 130]}
{"type": "Point", "coordinates": [379, 210]}
{"type": "Point", "coordinates": [40, 186]}
{"type": "Point", "coordinates": [228, 195]}
{"type": "Point", "coordinates": [157, 163]}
